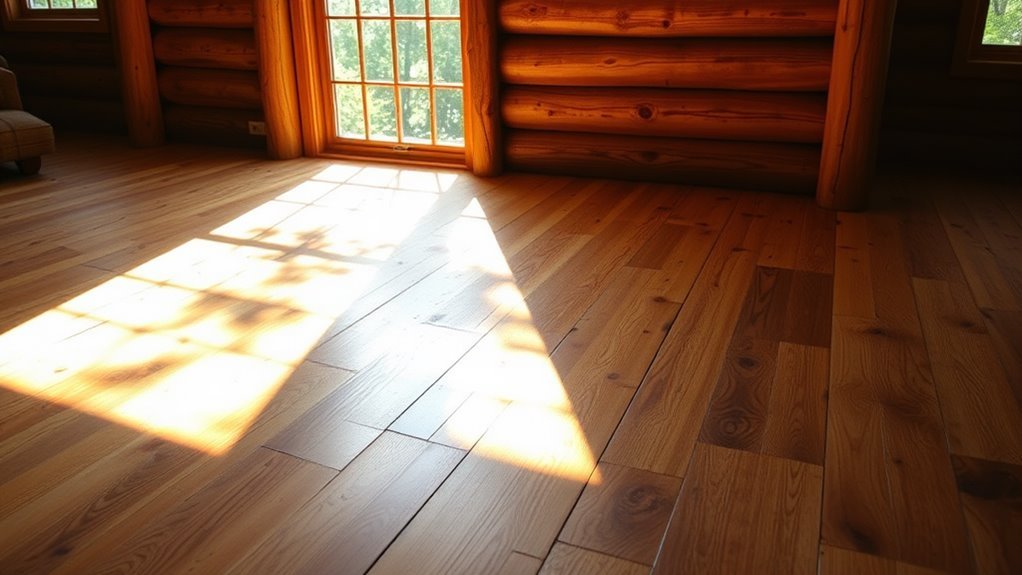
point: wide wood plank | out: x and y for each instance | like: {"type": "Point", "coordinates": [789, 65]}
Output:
{"type": "Point", "coordinates": [571, 560]}
{"type": "Point", "coordinates": [797, 411]}
{"type": "Point", "coordinates": [992, 496]}
{"type": "Point", "coordinates": [663, 422]}
{"type": "Point", "coordinates": [207, 530]}
{"type": "Point", "coordinates": [623, 512]}
{"type": "Point", "coordinates": [353, 519]}
{"type": "Point", "coordinates": [741, 512]}
{"type": "Point", "coordinates": [983, 416]}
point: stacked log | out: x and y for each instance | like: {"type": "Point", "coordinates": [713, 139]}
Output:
{"type": "Point", "coordinates": [703, 92]}
{"type": "Point", "coordinates": [208, 70]}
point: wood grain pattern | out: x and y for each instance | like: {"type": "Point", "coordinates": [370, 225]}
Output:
{"type": "Point", "coordinates": [571, 560]}
{"type": "Point", "coordinates": [789, 168]}
{"type": "Point", "coordinates": [277, 79]}
{"type": "Point", "coordinates": [778, 502]}
{"type": "Point", "coordinates": [986, 279]}
{"type": "Point", "coordinates": [624, 515]}
{"type": "Point", "coordinates": [737, 414]}
{"type": "Point", "coordinates": [202, 13]}
{"type": "Point", "coordinates": [992, 497]}
{"type": "Point", "coordinates": [885, 478]}
{"type": "Point", "coordinates": [206, 48]}
{"type": "Point", "coordinates": [138, 74]}
{"type": "Point", "coordinates": [837, 561]}
{"type": "Point", "coordinates": [660, 428]}
{"type": "Point", "coordinates": [862, 44]}
{"type": "Point", "coordinates": [797, 411]}
{"type": "Point", "coordinates": [353, 519]}
{"type": "Point", "coordinates": [665, 19]}
{"type": "Point", "coordinates": [717, 115]}
{"type": "Point", "coordinates": [197, 534]}
{"type": "Point", "coordinates": [979, 405]}
{"type": "Point", "coordinates": [483, 138]}
{"type": "Point", "coordinates": [216, 88]}
{"type": "Point", "coordinates": [724, 64]}
{"type": "Point", "coordinates": [633, 296]}
{"type": "Point", "coordinates": [852, 261]}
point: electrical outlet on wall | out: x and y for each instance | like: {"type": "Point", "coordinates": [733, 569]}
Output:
{"type": "Point", "coordinates": [256, 128]}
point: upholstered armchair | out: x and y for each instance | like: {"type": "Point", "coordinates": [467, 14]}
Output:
{"type": "Point", "coordinates": [23, 137]}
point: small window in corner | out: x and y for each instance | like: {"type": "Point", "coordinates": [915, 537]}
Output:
{"type": "Point", "coordinates": [990, 39]}
{"type": "Point", "coordinates": [54, 15]}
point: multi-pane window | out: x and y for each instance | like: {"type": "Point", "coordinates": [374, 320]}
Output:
{"type": "Point", "coordinates": [61, 4]}
{"type": "Point", "coordinates": [396, 71]}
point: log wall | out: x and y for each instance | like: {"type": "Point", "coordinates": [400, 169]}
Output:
{"type": "Point", "coordinates": [696, 93]}
{"type": "Point", "coordinates": [933, 116]}
{"type": "Point", "coordinates": [208, 70]}
{"type": "Point", "coordinates": [69, 79]}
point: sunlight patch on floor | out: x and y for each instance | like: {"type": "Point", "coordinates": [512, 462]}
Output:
{"type": "Point", "coordinates": [192, 345]}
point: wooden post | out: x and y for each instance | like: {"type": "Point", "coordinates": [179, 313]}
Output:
{"type": "Point", "coordinates": [142, 108]}
{"type": "Point", "coordinates": [483, 142]}
{"type": "Point", "coordinates": [277, 76]}
{"type": "Point", "coordinates": [862, 44]}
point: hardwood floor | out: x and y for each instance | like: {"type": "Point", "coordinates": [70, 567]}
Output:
{"type": "Point", "coordinates": [212, 363]}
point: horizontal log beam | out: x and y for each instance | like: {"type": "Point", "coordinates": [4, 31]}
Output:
{"type": "Point", "coordinates": [731, 64]}
{"type": "Point", "coordinates": [669, 18]}
{"type": "Point", "coordinates": [778, 167]}
{"type": "Point", "coordinates": [220, 126]}
{"type": "Point", "coordinates": [202, 13]}
{"type": "Point", "coordinates": [209, 48]}
{"type": "Point", "coordinates": [216, 88]}
{"type": "Point", "coordinates": [719, 115]}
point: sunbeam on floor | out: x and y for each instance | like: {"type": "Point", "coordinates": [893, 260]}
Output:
{"type": "Point", "coordinates": [192, 345]}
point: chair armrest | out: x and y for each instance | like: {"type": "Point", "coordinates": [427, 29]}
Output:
{"type": "Point", "coordinates": [9, 98]}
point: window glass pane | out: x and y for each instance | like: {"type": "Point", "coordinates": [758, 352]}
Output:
{"type": "Point", "coordinates": [340, 8]}
{"type": "Point", "coordinates": [1004, 23]}
{"type": "Point", "coordinates": [450, 117]}
{"type": "Point", "coordinates": [378, 52]}
{"type": "Point", "coordinates": [61, 4]}
{"type": "Point", "coordinates": [410, 7]}
{"type": "Point", "coordinates": [412, 57]}
{"type": "Point", "coordinates": [447, 52]}
{"type": "Point", "coordinates": [382, 113]}
{"type": "Point", "coordinates": [443, 8]}
{"type": "Point", "coordinates": [375, 7]}
{"type": "Point", "coordinates": [348, 111]}
{"type": "Point", "coordinates": [38, 4]}
{"type": "Point", "coordinates": [416, 115]}
{"type": "Point", "coordinates": [86, 4]}
{"type": "Point", "coordinates": [344, 46]}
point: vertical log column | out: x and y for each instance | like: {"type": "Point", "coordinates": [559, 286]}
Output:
{"type": "Point", "coordinates": [862, 45]}
{"type": "Point", "coordinates": [277, 76]}
{"type": "Point", "coordinates": [141, 93]}
{"type": "Point", "coordinates": [483, 142]}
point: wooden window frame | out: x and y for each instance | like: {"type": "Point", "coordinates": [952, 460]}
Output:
{"type": "Point", "coordinates": [17, 17]}
{"type": "Point", "coordinates": [478, 92]}
{"type": "Point", "coordinates": [973, 58]}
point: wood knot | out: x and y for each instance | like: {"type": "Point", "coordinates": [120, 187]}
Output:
{"type": "Point", "coordinates": [649, 155]}
{"type": "Point", "coordinates": [610, 61]}
{"type": "Point", "coordinates": [613, 376]}
{"type": "Point", "coordinates": [645, 112]}
{"type": "Point", "coordinates": [535, 11]}
{"type": "Point", "coordinates": [746, 362]}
